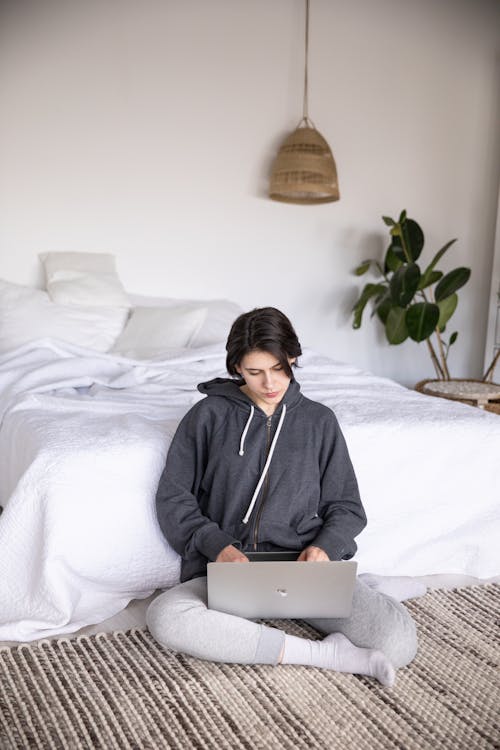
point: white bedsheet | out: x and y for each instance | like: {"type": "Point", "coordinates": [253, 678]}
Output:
{"type": "Point", "coordinates": [83, 440]}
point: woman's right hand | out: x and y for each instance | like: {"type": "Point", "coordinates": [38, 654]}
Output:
{"type": "Point", "coordinates": [231, 554]}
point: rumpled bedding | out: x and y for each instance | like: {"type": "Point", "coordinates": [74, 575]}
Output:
{"type": "Point", "coordinates": [83, 440]}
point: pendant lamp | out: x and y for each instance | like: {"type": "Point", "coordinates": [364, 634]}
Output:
{"type": "Point", "coordinates": [304, 169]}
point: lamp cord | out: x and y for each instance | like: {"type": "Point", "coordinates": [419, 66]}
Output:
{"type": "Point", "coordinates": [305, 106]}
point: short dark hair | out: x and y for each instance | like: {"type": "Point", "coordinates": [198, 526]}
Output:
{"type": "Point", "coordinates": [266, 329]}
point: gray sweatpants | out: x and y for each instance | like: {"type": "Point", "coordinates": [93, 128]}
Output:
{"type": "Point", "coordinates": [179, 619]}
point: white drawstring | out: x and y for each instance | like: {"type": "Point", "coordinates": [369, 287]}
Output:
{"type": "Point", "coordinates": [266, 466]}
{"type": "Point", "coordinates": [244, 433]}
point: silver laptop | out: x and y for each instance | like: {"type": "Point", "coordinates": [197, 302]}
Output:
{"type": "Point", "coordinates": [274, 584]}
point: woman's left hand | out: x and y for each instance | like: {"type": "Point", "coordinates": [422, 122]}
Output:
{"type": "Point", "coordinates": [313, 554]}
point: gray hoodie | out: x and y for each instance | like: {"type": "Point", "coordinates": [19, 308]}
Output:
{"type": "Point", "coordinates": [233, 475]}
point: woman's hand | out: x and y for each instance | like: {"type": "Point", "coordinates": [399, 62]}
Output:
{"type": "Point", "coordinates": [231, 554]}
{"type": "Point", "coordinates": [313, 554]}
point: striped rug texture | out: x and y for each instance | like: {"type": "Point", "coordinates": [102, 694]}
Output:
{"type": "Point", "coordinates": [120, 690]}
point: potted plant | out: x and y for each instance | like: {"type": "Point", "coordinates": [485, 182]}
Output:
{"type": "Point", "coordinates": [412, 302]}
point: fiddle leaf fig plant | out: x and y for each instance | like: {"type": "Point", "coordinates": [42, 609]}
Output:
{"type": "Point", "coordinates": [412, 301]}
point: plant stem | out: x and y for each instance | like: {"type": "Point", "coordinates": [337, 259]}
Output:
{"type": "Point", "coordinates": [381, 271]}
{"type": "Point", "coordinates": [488, 375]}
{"type": "Point", "coordinates": [442, 356]}
{"type": "Point", "coordinates": [435, 362]}
{"type": "Point", "coordinates": [403, 245]}
{"type": "Point", "coordinates": [443, 367]}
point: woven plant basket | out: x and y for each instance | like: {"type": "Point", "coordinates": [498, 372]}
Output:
{"type": "Point", "coordinates": [474, 392]}
{"type": "Point", "coordinates": [304, 170]}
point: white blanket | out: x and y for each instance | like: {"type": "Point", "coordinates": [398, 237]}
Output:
{"type": "Point", "coordinates": [83, 441]}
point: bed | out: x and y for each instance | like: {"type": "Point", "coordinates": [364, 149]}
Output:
{"type": "Point", "coordinates": [85, 430]}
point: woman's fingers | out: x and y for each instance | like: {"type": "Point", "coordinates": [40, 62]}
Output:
{"type": "Point", "coordinates": [231, 554]}
{"type": "Point", "coordinates": [313, 554]}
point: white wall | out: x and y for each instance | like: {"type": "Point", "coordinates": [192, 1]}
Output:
{"type": "Point", "coordinates": [147, 129]}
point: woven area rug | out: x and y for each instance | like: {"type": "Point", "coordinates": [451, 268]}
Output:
{"type": "Point", "coordinates": [120, 690]}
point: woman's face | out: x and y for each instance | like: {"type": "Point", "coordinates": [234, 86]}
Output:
{"type": "Point", "coordinates": [265, 380]}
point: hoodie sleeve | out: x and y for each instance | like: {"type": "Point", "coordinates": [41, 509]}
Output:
{"type": "Point", "coordinates": [340, 507]}
{"type": "Point", "coordinates": [183, 524]}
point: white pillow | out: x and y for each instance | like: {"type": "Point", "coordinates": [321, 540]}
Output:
{"type": "Point", "coordinates": [154, 331]}
{"type": "Point", "coordinates": [220, 316]}
{"type": "Point", "coordinates": [27, 314]}
{"type": "Point", "coordinates": [83, 279]}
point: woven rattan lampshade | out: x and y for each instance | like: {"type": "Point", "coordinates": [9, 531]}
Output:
{"type": "Point", "coordinates": [304, 170]}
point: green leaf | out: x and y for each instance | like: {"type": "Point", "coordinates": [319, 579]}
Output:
{"type": "Point", "coordinates": [395, 326]}
{"type": "Point", "coordinates": [446, 309]}
{"type": "Point", "coordinates": [421, 320]}
{"type": "Point", "coordinates": [438, 256]}
{"type": "Point", "coordinates": [428, 278]}
{"type": "Point", "coordinates": [402, 216]}
{"type": "Point", "coordinates": [383, 308]}
{"type": "Point", "coordinates": [362, 268]}
{"type": "Point", "coordinates": [391, 262]}
{"type": "Point", "coordinates": [453, 338]}
{"type": "Point", "coordinates": [397, 249]}
{"type": "Point", "coordinates": [404, 284]}
{"type": "Point", "coordinates": [388, 221]}
{"type": "Point", "coordinates": [413, 237]}
{"type": "Point", "coordinates": [380, 297]}
{"type": "Point", "coordinates": [451, 282]}
{"type": "Point", "coordinates": [369, 291]}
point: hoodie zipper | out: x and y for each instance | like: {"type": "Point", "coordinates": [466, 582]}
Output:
{"type": "Point", "coordinates": [265, 487]}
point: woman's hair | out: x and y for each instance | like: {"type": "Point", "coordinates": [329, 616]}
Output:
{"type": "Point", "coordinates": [266, 329]}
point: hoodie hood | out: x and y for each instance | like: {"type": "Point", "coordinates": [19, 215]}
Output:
{"type": "Point", "coordinates": [230, 389]}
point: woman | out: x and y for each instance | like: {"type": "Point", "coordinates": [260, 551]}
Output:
{"type": "Point", "coordinates": [258, 466]}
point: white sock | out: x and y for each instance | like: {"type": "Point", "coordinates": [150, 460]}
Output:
{"type": "Point", "coordinates": [338, 653]}
{"type": "Point", "coordinates": [399, 587]}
